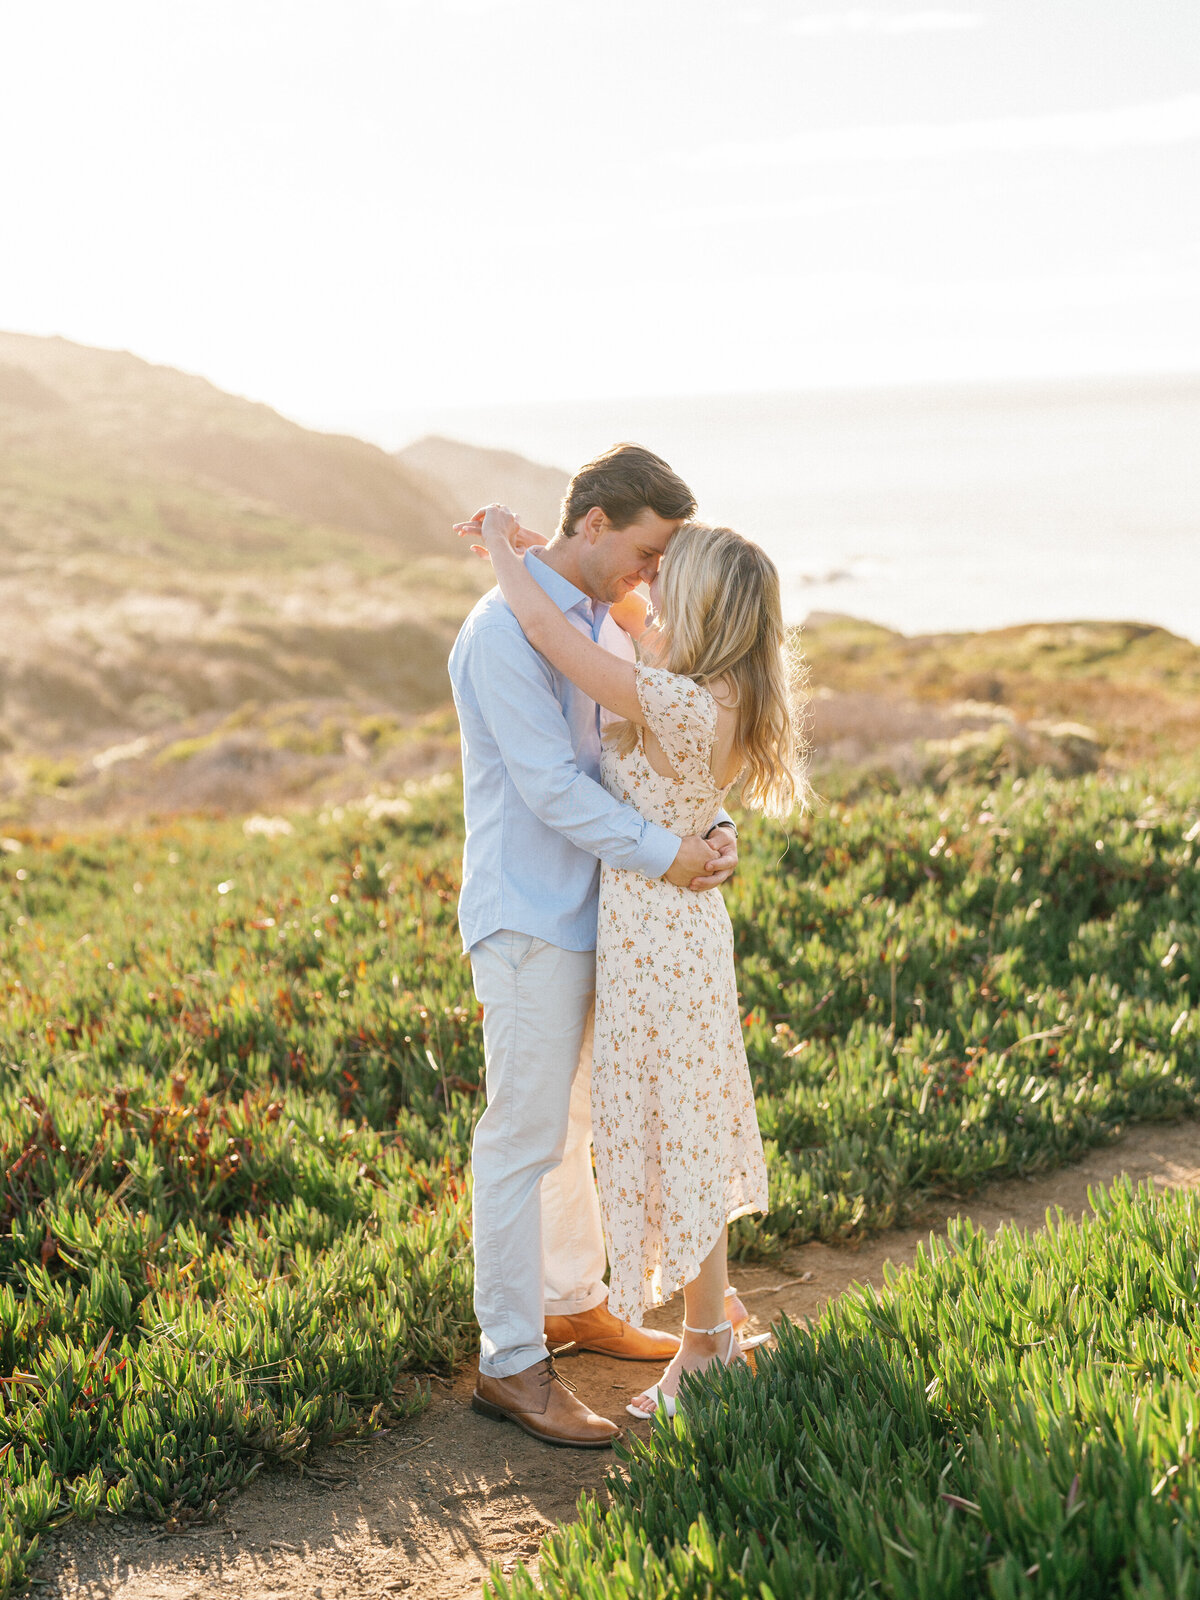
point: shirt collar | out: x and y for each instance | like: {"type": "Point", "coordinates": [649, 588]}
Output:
{"type": "Point", "coordinates": [561, 590]}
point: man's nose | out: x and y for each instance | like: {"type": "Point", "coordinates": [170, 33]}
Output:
{"type": "Point", "coordinates": [648, 570]}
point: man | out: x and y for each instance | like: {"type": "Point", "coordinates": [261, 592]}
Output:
{"type": "Point", "coordinates": [538, 825]}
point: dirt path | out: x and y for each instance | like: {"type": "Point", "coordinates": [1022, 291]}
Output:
{"type": "Point", "coordinates": [421, 1511]}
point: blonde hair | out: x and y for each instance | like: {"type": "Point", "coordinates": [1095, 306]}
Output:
{"type": "Point", "coordinates": [721, 619]}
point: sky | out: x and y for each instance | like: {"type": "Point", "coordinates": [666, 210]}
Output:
{"type": "Point", "coordinates": [365, 211]}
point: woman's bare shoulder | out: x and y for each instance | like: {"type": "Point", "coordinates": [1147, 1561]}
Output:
{"type": "Point", "coordinates": [724, 693]}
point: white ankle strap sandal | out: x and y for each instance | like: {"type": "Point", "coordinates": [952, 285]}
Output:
{"type": "Point", "coordinates": [668, 1402]}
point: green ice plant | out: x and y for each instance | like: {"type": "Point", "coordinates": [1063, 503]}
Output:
{"type": "Point", "coordinates": [239, 1074]}
{"type": "Point", "coordinates": [1011, 1417]}
{"type": "Point", "coordinates": [941, 990]}
{"type": "Point", "coordinates": [232, 1204]}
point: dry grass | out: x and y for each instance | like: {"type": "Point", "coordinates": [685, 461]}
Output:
{"type": "Point", "coordinates": [1136, 686]}
{"type": "Point", "coordinates": [155, 705]}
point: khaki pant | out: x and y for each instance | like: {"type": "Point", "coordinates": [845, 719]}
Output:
{"type": "Point", "coordinates": [539, 1247]}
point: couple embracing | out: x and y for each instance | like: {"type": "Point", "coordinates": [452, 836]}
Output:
{"type": "Point", "coordinates": [601, 953]}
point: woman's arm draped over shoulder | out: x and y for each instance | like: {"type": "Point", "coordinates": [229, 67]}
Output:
{"type": "Point", "coordinates": [598, 673]}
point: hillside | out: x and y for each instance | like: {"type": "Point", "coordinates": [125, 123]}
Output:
{"type": "Point", "coordinates": [208, 607]}
{"type": "Point", "coordinates": [469, 476]}
{"type": "Point", "coordinates": [172, 557]}
{"type": "Point", "coordinates": [897, 702]}
{"type": "Point", "coordinates": [216, 468]}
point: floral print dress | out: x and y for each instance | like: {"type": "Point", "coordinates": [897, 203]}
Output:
{"type": "Point", "coordinates": [678, 1152]}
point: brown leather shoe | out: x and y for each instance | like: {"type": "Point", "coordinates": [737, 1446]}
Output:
{"type": "Point", "coordinates": [601, 1331]}
{"type": "Point", "coordinates": [544, 1404]}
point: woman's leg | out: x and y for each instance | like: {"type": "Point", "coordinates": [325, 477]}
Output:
{"type": "Point", "coordinates": [703, 1307]}
{"type": "Point", "coordinates": [704, 1297]}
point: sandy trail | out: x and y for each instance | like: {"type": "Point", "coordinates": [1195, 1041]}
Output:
{"type": "Point", "coordinates": [423, 1509]}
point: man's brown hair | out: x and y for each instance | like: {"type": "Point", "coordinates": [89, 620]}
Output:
{"type": "Point", "coordinates": [625, 481]}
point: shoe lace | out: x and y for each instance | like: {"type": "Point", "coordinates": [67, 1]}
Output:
{"type": "Point", "coordinates": [553, 1375]}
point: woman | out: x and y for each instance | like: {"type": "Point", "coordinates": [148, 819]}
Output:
{"type": "Point", "coordinates": [678, 1153]}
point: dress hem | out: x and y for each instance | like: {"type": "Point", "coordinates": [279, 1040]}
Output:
{"type": "Point", "coordinates": [668, 1291]}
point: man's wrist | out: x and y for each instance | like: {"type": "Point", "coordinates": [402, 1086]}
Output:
{"type": "Point", "coordinates": [717, 825]}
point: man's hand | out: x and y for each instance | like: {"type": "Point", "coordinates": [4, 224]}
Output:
{"type": "Point", "coordinates": [697, 858]}
{"type": "Point", "coordinates": [722, 843]}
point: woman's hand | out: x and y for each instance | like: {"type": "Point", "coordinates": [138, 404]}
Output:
{"type": "Point", "coordinates": [520, 539]}
{"type": "Point", "coordinates": [500, 525]}
{"type": "Point", "coordinates": [600, 674]}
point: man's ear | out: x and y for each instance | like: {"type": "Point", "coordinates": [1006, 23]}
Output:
{"type": "Point", "coordinates": [593, 524]}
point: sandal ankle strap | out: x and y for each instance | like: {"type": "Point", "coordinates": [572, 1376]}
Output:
{"type": "Point", "coordinates": [720, 1328]}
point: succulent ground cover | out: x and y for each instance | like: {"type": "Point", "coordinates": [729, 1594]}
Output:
{"type": "Point", "coordinates": [1013, 1416]}
{"type": "Point", "coordinates": [239, 1071]}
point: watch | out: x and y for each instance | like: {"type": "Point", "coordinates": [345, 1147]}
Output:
{"type": "Point", "coordinates": [717, 825]}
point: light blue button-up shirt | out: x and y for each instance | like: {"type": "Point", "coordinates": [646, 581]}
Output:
{"type": "Point", "coordinates": [538, 820]}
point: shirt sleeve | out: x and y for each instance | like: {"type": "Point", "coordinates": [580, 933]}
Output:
{"type": "Point", "coordinates": [514, 693]}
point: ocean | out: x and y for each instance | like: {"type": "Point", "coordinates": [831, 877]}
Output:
{"type": "Point", "coordinates": [928, 510]}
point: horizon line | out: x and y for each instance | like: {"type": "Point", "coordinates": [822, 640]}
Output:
{"type": "Point", "coordinates": [1107, 378]}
